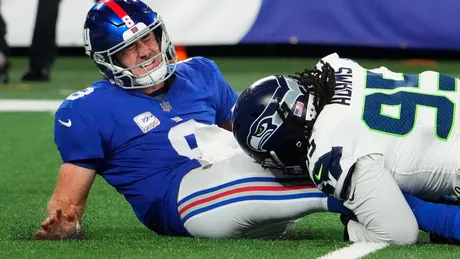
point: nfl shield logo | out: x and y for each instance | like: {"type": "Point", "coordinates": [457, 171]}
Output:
{"type": "Point", "coordinates": [134, 29]}
{"type": "Point", "coordinates": [166, 106]}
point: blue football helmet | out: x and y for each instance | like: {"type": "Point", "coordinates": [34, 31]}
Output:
{"type": "Point", "coordinates": [113, 25]}
{"type": "Point", "coordinates": [272, 121]}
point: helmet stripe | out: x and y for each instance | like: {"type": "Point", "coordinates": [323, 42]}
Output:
{"type": "Point", "coordinates": [119, 12]}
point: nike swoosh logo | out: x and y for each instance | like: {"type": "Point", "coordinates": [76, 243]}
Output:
{"type": "Point", "coordinates": [353, 195]}
{"type": "Point", "coordinates": [67, 124]}
{"type": "Point", "coordinates": [318, 176]}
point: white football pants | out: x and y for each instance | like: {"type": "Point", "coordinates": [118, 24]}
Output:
{"type": "Point", "coordinates": [379, 205]}
{"type": "Point", "coordinates": [236, 197]}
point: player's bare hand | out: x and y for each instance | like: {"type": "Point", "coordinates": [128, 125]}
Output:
{"type": "Point", "coordinates": [60, 225]}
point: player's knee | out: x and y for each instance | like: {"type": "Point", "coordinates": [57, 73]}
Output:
{"type": "Point", "coordinates": [206, 226]}
{"type": "Point", "coordinates": [405, 233]}
{"type": "Point", "coordinates": [208, 231]}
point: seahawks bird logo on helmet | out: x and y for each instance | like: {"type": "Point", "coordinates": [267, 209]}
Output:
{"type": "Point", "coordinates": [270, 118]}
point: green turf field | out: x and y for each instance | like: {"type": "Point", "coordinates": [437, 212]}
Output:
{"type": "Point", "coordinates": [29, 164]}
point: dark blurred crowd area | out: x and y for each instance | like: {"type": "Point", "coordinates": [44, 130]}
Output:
{"type": "Point", "coordinates": [43, 50]}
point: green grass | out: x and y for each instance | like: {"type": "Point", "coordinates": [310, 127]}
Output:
{"type": "Point", "coordinates": [29, 168]}
{"type": "Point", "coordinates": [29, 164]}
{"type": "Point", "coordinates": [72, 74]}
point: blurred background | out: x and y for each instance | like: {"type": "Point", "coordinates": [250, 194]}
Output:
{"type": "Point", "coordinates": [42, 61]}
{"type": "Point", "coordinates": [248, 39]}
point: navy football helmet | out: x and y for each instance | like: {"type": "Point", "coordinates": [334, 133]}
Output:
{"type": "Point", "coordinates": [272, 121]}
{"type": "Point", "coordinates": [113, 25]}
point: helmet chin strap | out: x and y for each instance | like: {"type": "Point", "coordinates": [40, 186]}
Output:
{"type": "Point", "coordinates": [277, 164]}
{"type": "Point", "coordinates": [153, 77]}
{"type": "Point", "coordinates": [277, 160]}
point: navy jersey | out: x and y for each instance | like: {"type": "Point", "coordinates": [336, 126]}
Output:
{"type": "Point", "coordinates": [141, 145]}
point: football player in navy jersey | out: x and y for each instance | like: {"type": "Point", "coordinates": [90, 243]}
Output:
{"type": "Point", "coordinates": [158, 131]}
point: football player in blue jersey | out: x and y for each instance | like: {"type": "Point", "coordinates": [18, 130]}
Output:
{"type": "Point", "coordinates": [355, 133]}
{"type": "Point", "coordinates": [158, 131]}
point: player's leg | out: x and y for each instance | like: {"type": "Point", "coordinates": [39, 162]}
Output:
{"type": "Point", "coordinates": [43, 49]}
{"type": "Point", "coordinates": [238, 198]}
{"type": "Point", "coordinates": [442, 221]}
{"type": "Point", "coordinates": [4, 53]}
{"type": "Point", "coordinates": [428, 185]}
{"type": "Point", "coordinates": [380, 207]}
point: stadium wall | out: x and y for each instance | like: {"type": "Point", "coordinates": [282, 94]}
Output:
{"type": "Point", "coordinates": [273, 27]}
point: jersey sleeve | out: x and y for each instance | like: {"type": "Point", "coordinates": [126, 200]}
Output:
{"type": "Point", "coordinates": [225, 97]}
{"type": "Point", "coordinates": [77, 136]}
{"type": "Point", "coordinates": [330, 166]}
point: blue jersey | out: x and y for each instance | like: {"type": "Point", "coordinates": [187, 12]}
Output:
{"type": "Point", "coordinates": [141, 145]}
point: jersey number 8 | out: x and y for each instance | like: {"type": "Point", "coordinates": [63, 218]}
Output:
{"type": "Point", "coordinates": [80, 94]}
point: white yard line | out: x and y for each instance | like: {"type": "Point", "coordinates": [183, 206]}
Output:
{"type": "Point", "coordinates": [15, 105]}
{"type": "Point", "coordinates": [356, 250]}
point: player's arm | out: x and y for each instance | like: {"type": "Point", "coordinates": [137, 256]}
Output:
{"type": "Point", "coordinates": [224, 98]}
{"type": "Point", "coordinates": [80, 143]}
{"type": "Point", "coordinates": [440, 219]}
{"type": "Point", "coordinates": [67, 203]}
{"type": "Point", "coordinates": [227, 124]}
